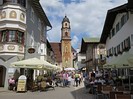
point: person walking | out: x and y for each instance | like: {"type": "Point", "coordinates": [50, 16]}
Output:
{"type": "Point", "coordinates": [77, 79]}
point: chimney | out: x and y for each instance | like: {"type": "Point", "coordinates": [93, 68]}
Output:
{"type": "Point", "coordinates": [130, 4]}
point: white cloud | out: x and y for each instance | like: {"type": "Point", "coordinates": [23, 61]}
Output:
{"type": "Point", "coordinates": [75, 40]}
{"type": "Point", "coordinates": [87, 18]}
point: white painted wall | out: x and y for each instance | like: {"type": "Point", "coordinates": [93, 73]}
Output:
{"type": "Point", "coordinates": [121, 35]}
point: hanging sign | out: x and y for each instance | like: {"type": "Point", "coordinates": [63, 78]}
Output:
{"type": "Point", "coordinates": [31, 50]}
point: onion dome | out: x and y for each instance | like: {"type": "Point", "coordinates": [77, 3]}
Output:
{"type": "Point", "coordinates": [65, 20]}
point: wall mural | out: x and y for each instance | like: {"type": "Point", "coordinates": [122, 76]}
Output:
{"type": "Point", "coordinates": [3, 15]}
{"type": "Point", "coordinates": [22, 17]}
{"type": "Point", "coordinates": [1, 47]}
{"type": "Point", "coordinates": [13, 14]}
{"type": "Point", "coordinates": [11, 47]}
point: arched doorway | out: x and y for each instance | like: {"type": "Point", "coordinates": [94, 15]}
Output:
{"type": "Point", "coordinates": [2, 75]}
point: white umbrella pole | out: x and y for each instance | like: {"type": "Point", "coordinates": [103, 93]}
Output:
{"type": "Point", "coordinates": [34, 75]}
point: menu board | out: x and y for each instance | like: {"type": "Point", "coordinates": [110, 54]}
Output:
{"type": "Point", "coordinates": [21, 87]}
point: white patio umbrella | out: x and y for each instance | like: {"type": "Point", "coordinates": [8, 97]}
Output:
{"type": "Point", "coordinates": [69, 68]}
{"type": "Point", "coordinates": [32, 63]}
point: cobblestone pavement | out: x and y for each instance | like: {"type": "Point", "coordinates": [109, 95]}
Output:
{"type": "Point", "coordinates": [59, 93]}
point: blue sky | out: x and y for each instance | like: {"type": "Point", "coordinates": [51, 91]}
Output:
{"type": "Point", "coordinates": [86, 17]}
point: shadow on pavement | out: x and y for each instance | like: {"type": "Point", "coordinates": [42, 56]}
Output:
{"type": "Point", "coordinates": [81, 93]}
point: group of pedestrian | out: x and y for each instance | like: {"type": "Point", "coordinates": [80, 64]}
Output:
{"type": "Point", "coordinates": [67, 78]}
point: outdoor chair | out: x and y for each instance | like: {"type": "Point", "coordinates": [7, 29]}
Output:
{"type": "Point", "coordinates": [43, 86]}
{"type": "Point", "coordinates": [106, 89]}
{"type": "Point", "coordinates": [34, 87]}
{"type": "Point", "coordinates": [113, 93]}
{"type": "Point", "coordinates": [123, 96]}
{"type": "Point", "coordinates": [120, 88]}
{"type": "Point", "coordinates": [98, 94]}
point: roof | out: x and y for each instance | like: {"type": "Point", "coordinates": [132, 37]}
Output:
{"type": "Point", "coordinates": [56, 46]}
{"type": "Point", "coordinates": [66, 19]}
{"type": "Point", "coordinates": [91, 40]}
{"type": "Point", "coordinates": [37, 6]}
{"type": "Point", "coordinates": [110, 18]}
{"type": "Point", "coordinates": [86, 41]}
{"type": "Point", "coordinates": [49, 46]}
{"type": "Point", "coordinates": [73, 50]}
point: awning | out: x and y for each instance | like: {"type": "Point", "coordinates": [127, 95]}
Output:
{"type": "Point", "coordinates": [82, 66]}
{"type": "Point", "coordinates": [108, 66]}
{"type": "Point", "coordinates": [130, 60]}
{"type": "Point", "coordinates": [121, 62]}
{"type": "Point", "coordinates": [57, 67]}
{"type": "Point", "coordinates": [32, 63]}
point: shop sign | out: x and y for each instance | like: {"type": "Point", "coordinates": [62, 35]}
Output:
{"type": "Point", "coordinates": [31, 50]}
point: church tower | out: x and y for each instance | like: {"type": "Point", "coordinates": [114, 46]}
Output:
{"type": "Point", "coordinates": [66, 43]}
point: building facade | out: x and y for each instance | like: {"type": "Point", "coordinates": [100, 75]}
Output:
{"type": "Point", "coordinates": [79, 60]}
{"type": "Point", "coordinates": [23, 25]}
{"type": "Point", "coordinates": [95, 53]}
{"type": "Point", "coordinates": [117, 35]}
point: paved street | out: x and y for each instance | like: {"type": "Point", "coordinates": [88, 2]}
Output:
{"type": "Point", "coordinates": [58, 93]}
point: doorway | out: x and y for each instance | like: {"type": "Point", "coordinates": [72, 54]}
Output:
{"type": "Point", "coordinates": [2, 75]}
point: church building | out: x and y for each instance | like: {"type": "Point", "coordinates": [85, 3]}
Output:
{"type": "Point", "coordinates": [63, 50]}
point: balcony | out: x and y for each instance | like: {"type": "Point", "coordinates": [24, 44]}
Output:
{"type": "Point", "coordinates": [13, 16]}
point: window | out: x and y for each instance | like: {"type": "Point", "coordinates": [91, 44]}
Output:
{"type": "Point", "coordinates": [82, 60]}
{"type": "Point", "coordinates": [11, 36]}
{"type": "Point", "coordinates": [122, 21]}
{"type": "Point", "coordinates": [22, 2]}
{"type": "Point", "coordinates": [107, 53]}
{"type": "Point", "coordinates": [3, 36]}
{"type": "Point", "coordinates": [66, 33]}
{"type": "Point", "coordinates": [65, 24]}
{"type": "Point", "coordinates": [20, 36]}
{"type": "Point", "coordinates": [39, 24]}
{"type": "Point", "coordinates": [131, 39]}
{"type": "Point", "coordinates": [113, 32]}
{"type": "Point", "coordinates": [122, 46]}
{"type": "Point", "coordinates": [115, 51]}
{"type": "Point", "coordinates": [119, 49]}
{"type": "Point", "coordinates": [111, 51]}
{"type": "Point", "coordinates": [126, 17]}
{"type": "Point", "coordinates": [117, 27]}
{"type": "Point", "coordinates": [127, 44]}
